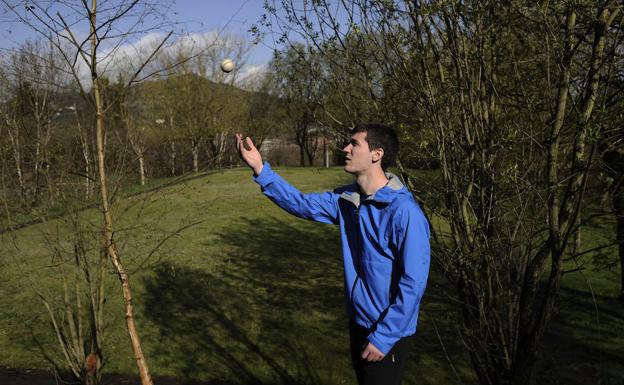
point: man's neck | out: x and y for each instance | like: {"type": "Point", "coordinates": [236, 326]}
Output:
{"type": "Point", "coordinates": [372, 181]}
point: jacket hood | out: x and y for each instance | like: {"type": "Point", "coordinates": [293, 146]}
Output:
{"type": "Point", "coordinates": [386, 194]}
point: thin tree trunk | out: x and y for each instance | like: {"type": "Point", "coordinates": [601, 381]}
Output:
{"type": "Point", "coordinates": [142, 169]}
{"type": "Point", "coordinates": [216, 149]}
{"type": "Point", "coordinates": [311, 153]}
{"type": "Point", "coordinates": [43, 132]}
{"type": "Point", "coordinates": [37, 164]}
{"type": "Point", "coordinates": [172, 157]}
{"type": "Point", "coordinates": [220, 146]}
{"type": "Point", "coordinates": [325, 153]}
{"type": "Point", "coordinates": [195, 151]}
{"type": "Point", "coordinates": [85, 154]}
{"type": "Point", "coordinates": [47, 161]}
{"type": "Point", "coordinates": [84, 145]}
{"type": "Point", "coordinates": [109, 242]}
{"type": "Point", "coordinates": [88, 189]}
{"type": "Point", "coordinates": [300, 141]}
{"type": "Point", "coordinates": [17, 154]}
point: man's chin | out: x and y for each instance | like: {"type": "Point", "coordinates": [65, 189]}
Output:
{"type": "Point", "coordinates": [348, 169]}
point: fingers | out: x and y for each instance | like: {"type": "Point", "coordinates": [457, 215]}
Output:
{"type": "Point", "coordinates": [239, 141]}
{"type": "Point", "coordinates": [240, 146]}
{"type": "Point", "coordinates": [250, 143]}
{"type": "Point", "coordinates": [372, 354]}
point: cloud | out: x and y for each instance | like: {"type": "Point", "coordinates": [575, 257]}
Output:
{"type": "Point", "coordinates": [120, 59]}
{"type": "Point", "coordinates": [208, 49]}
{"type": "Point", "coordinates": [251, 76]}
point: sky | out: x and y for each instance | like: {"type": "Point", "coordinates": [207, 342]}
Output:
{"type": "Point", "coordinates": [236, 16]}
{"type": "Point", "coordinates": [195, 16]}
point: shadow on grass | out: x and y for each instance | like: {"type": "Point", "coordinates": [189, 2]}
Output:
{"type": "Point", "coordinates": [583, 344]}
{"type": "Point", "coordinates": [270, 311]}
{"type": "Point", "coordinates": [266, 314]}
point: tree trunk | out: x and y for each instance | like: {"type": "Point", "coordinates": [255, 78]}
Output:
{"type": "Point", "coordinates": [172, 158]}
{"type": "Point", "coordinates": [109, 242]}
{"type": "Point", "coordinates": [87, 174]}
{"type": "Point", "coordinates": [220, 145]}
{"type": "Point", "coordinates": [84, 144]}
{"type": "Point", "coordinates": [37, 167]}
{"type": "Point", "coordinates": [43, 128]}
{"type": "Point", "coordinates": [311, 156]}
{"type": "Point", "coordinates": [110, 245]}
{"type": "Point", "coordinates": [142, 169]}
{"type": "Point", "coordinates": [300, 139]}
{"type": "Point", "coordinates": [18, 170]}
{"type": "Point", "coordinates": [216, 149]}
{"type": "Point", "coordinates": [325, 153]}
{"type": "Point", "coordinates": [17, 155]}
{"type": "Point", "coordinates": [195, 151]}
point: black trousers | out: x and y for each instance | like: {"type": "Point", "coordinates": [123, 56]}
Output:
{"type": "Point", "coordinates": [388, 371]}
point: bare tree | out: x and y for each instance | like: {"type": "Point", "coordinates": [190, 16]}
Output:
{"type": "Point", "coordinates": [139, 124]}
{"type": "Point", "coordinates": [10, 120]}
{"type": "Point", "coordinates": [39, 74]}
{"type": "Point", "coordinates": [611, 139]}
{"type": "Point", "coordinates": [57, 22]}
{"type": "Point", "coordinates": [200, 93]}
{"type": "Point", "coordinates": [86, 150]}
{"type": "Point", "coordinates": [265, 107]}
{"type": "Point", "coordinates": [299, 85]}
{"type": "Point", "coordinates": [489, 89]}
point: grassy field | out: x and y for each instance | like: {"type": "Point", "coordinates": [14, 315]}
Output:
{"type": "Point", "coordinates": [247, 294]}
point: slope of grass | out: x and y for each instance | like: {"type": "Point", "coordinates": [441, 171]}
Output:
{"type": "Point", "coordinates": [245, 293]}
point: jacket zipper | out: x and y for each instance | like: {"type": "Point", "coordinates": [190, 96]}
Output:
{"type": "Point", "coordinates": [359, 270]}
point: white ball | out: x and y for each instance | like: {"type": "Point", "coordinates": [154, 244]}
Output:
{"type": "Point", "coordinates": [227, 65]}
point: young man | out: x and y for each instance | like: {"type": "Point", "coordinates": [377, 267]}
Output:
{"type": "Point", "coordinates": [385, 246]}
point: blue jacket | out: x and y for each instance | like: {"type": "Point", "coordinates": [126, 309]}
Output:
{"type": "Point", "coordinates": [385, 247]}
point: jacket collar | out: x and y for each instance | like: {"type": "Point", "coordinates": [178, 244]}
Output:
{"type": "Point", "coordinates": [384, 195]}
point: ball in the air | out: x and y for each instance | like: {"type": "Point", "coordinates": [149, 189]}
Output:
{"type": "Point", "coordinates": [227, 65]}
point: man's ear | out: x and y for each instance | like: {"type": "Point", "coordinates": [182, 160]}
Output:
{"type": "Point", "coordinates": [378, 153]}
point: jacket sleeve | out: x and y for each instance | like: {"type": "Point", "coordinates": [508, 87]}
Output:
{"type": "Point", "coordinates": [411, 239]}
{"type": "Point", "coordinates": [321, 207]}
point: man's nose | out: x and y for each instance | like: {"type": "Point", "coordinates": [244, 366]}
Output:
{"type": "Point", "coordinates": [347, 148]}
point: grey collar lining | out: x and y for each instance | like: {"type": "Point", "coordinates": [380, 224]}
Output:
{"type": "Point", "coordinates": [394, 183]}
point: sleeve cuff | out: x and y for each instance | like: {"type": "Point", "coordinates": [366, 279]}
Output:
{"type": "Point", "coordinates": [265, 175]}
{"type": "Point", "coordinates": [383, 347]}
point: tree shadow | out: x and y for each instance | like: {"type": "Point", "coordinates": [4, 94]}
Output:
{"type": "Point", "coordinates": [254, 317]}
{"type": "Point", "coordinates": [583, 343]}
{"type": "Point", "coordinates": [272, 311]}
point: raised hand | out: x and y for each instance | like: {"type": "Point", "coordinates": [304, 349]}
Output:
{"type": "Point", "coordinates": [252, 156]}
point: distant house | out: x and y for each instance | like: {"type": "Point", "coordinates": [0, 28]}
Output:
{"type": "Point", "coordinates": [284, 151]}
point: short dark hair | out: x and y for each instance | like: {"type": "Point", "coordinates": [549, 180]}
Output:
{"type": "Point", "coordinates": [381, 136]}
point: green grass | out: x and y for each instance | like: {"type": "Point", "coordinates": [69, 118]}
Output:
{"type": "Point", "coordinates": [249, 294]}
{"type": "Point", "coordinates": [73, 199]}
{"type": "Point", "coordinates": [586, 340]}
